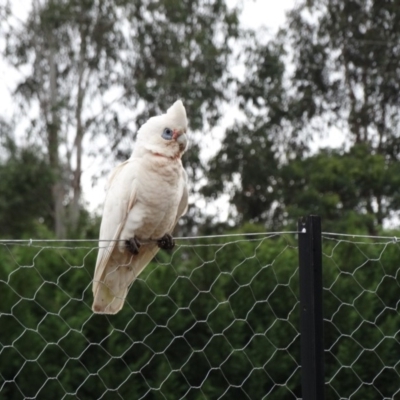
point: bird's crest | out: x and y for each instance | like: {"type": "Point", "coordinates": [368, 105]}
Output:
{"type": "Point", "coordinates": [177, 112]}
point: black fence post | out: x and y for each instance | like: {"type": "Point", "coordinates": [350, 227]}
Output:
{"type": "Point", "coordinates": [312, 341]}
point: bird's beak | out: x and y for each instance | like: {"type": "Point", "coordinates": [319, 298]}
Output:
{"type": "Point", "coordinates": [181, 137]}
{"type": "Point", "coordinates": [176, 133]}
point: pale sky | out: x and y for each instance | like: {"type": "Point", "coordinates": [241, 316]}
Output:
{"type": "Point", "coordinates": [268, 13]}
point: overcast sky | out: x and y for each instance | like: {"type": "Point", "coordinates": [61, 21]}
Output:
{"type": "Point", "coordinates": [268, 13]}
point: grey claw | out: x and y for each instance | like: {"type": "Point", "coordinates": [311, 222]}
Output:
{"type": "Point", "coordinates": [167, 242]}
{"type": "Point", "coordinates": [133, 245]}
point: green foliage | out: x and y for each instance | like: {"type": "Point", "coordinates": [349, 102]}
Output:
{"type": "Point", "coordinates": [25, 193]}
{"type": "Point", "coordinates": [354, 191]}
{"type": "Point", "coordinates": [254, 196]}
{"type": "Point", "coordinates": [40, 290]}
{"type": "Point", "coordinates": [26, 201]}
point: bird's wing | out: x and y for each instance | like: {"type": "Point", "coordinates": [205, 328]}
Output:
{"type": "Point", "coordinates": [120, 198]}
{"type": "Point", "coordinates": [183, 204]}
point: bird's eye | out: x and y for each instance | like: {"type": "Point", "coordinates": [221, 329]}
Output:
{"type": "Point", "coordinates": [167, 134]}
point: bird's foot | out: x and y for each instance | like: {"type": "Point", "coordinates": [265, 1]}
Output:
{"type": "Point", "coordinates": [133, 245]}
{"type": "Point", "coordinates": [167, 242]}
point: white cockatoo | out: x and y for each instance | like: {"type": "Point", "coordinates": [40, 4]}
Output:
{"type": "Point", "coordinates": [146, 196]}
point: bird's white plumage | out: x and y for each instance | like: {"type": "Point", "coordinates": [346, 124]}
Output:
{"type": "Point", "coordinates": [146, 196]}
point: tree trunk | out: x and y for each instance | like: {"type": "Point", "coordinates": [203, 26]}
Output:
{"type": "Point", "coordinates": [74, 209]}
{"type": "Point", "coordinates": [53, 129]}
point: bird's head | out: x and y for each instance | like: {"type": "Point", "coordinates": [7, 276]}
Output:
{"type": "Point", "coordinates": [165, 134]}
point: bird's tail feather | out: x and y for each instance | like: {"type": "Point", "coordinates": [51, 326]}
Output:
{"type": "Point", "coordinates": [120, 272]}
{"type": "Point", "coordinates": [108, 302]}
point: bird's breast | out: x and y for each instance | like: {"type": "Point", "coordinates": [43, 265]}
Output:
{"type": "Point", "coordinates": [158, 197]}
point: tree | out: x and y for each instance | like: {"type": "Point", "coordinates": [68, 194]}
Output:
{"type": "Point", "coordinates": [25, 192]}
{"type": "Point", "coordinates": [247, 165]}
{"type": "Point", "coordinates": [81, 53]}
{"type": "Point", "coordinates": [354, 190]}
{"type": "Point", "coordinates": [70, 46]}
{"type": "Point", "coordinates": [344, 75]}
{"type": "Point", "coordinates": [346, 67]}
{"type": "Point", "coordinates": [347, 74]}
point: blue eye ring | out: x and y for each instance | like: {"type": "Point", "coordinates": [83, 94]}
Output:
{"type": "Point", "coordinates": [167, 134]}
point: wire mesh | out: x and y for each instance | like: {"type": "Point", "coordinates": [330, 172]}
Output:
{"type": "Point", "coordinates": [216, 318]}
{"type": "Point", "coordinates": [362, 317]}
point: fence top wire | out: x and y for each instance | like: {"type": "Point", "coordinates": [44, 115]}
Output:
{"type": "Point", "coordinates": [355, 236]}
{"type": "Point", "coordinates": [30, 241]}
{"type": "Point", "coordinates": [228, 235]}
